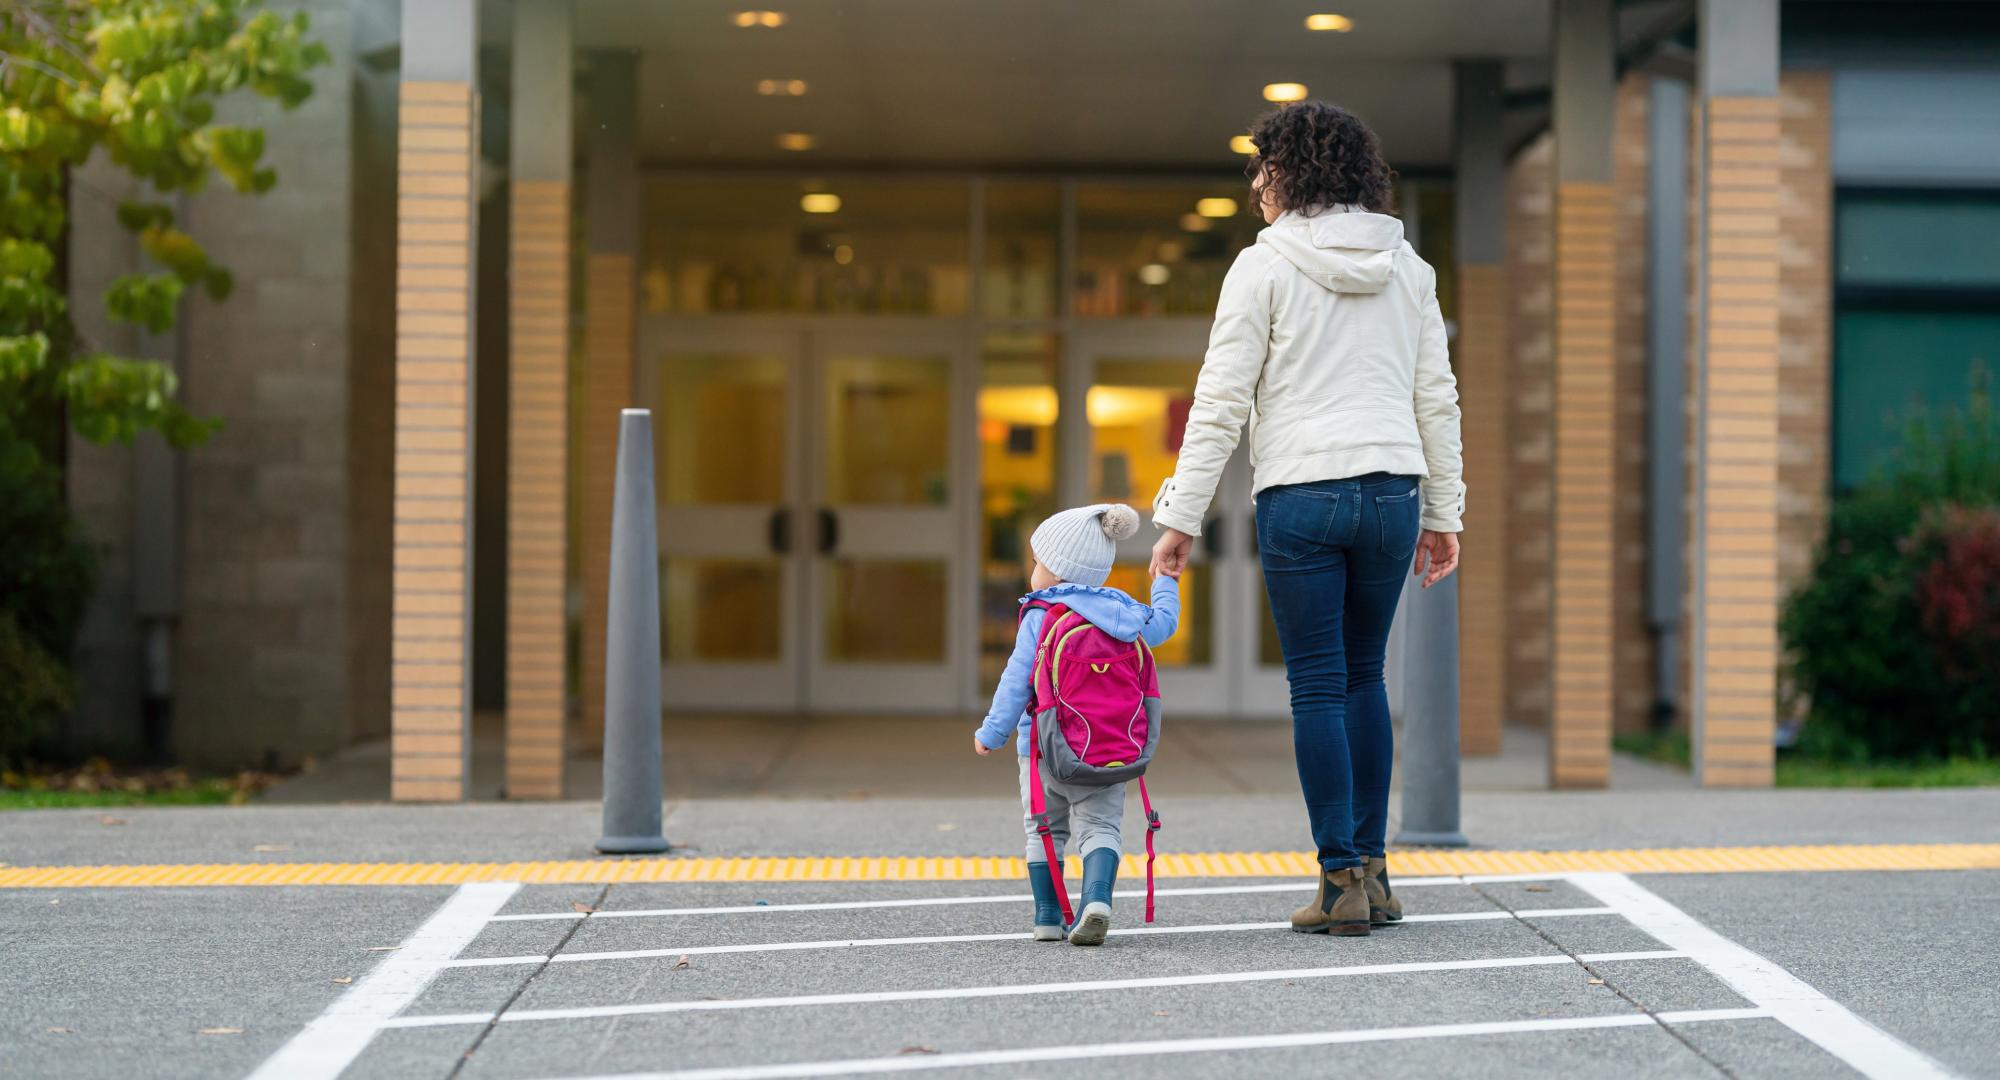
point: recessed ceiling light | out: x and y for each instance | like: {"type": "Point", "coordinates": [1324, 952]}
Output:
{"type": "Point", "coordinates": [843, 254]}
{"type": "Point", "coordinates": [1195, 223]}
{"type": "Point", "coordinates": [1285, 91]}
{"type": "Point", "coordinates": [1155, 273]}
{"type": "Point", "coordinates": [769, 20]}
{"type": "Point", "coordinates": [1242, 145]}
{"type": "Point", "coordinates": [1216, 208]}
{"type": "Point", "coordinates": [820, 202]}
{"type": "Point", "coordinates": [1339, 24]}
{"type": "Point", "coordinates": [781, 87]}
{"type": "Point", "coordinates": [796, 140]}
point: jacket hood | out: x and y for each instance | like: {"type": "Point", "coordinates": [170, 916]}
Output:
{"type": "Point", "coordinates": [1107, 609]}
{"type": "Point", "coordinates": [1343, 251]}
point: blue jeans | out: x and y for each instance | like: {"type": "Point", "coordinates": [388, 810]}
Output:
{"type": "Point", "coordinates": [1335, 554]}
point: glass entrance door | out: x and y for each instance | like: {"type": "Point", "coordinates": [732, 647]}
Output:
{"type": "Point", "coordinates": [727, 405]}
{"type": "Point", "coordinates": [886, 618]}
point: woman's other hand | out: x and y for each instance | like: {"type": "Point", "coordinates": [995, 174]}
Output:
{"type": "Point", "coordinates": [1170, 555]}
{"type": "Point", "coordinates": [1436, 550]}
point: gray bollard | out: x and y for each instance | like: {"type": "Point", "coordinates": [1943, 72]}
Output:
{"type": "Point", "coordinates": [632, 785]}
{"type": "Point", "coordinates": [1430, 719]}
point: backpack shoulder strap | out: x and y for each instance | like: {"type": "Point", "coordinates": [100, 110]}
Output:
{"type": "Point", "coordinates": [1021, 616]}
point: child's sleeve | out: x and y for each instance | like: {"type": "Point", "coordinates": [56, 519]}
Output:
{"type": "Point", "coordinates": [1166, 614]}
{"type": "Point", "coordinates": [1010, 698]}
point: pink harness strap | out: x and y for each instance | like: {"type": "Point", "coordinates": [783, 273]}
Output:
{"type": "Point", "coordinates": [1152, 826]}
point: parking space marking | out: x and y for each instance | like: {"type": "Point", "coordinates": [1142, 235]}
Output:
{"type": "Point", "coordinates": [337, 1036]}
{"type": "Point", "coordinates": [944, 901]}
{"type": "Point", "coordinates": [1795, 1004]}
{"type": "Point", "coordinates": [961, 939]}
{"type": "Point", "coordinates": [953, 993]}
{"type": "Point", "coordinates": [1219, 864]}
{"type": "Point", "coordinates": [1214, 1045]}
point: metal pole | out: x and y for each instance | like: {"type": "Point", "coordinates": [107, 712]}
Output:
{"type": "Point", "coordinates": [1430, 718]}
{"type": "Point", "coordinates": [632, 783]}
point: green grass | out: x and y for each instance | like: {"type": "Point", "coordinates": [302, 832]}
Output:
{"type": "Point", "coordinates": [1797, 771]}
{"type": "Point", "coordinates": [199, 793]}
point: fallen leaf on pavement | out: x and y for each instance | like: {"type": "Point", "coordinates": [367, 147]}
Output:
{"type": "Point", "coordinates": [53, 903]}
{"type": "Point", "coordinates": [682, 962]}
{"type": "Point", "coordinates": [1159, 1012]}
{"type": "Point", "coordinates": [344, 979]}
{"type": "Point", "coordinates": [1595, 982]}
{"type": "Point", "coordinates": [271, 847]}
{"type": "Point", "coordinates": [946, 826]}
{"type": "Point", "coordinates": [107, 819]}
{"type": "Point", "coordinates": [581, 908]}
{"type": "Point", "coordinates": [221, 1031]}
{"type": "Point", "coordinates": [62, 1031]}
{"type": "Point", "coordinates": [918, 1050]}
{"type": "Point", "coordinates": [1537, 888]}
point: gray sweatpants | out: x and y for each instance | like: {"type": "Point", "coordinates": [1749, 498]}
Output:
{"type": "Point", "coordinates": [1091, 814]}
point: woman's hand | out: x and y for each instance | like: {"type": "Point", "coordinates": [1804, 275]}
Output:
{"type": "Point", "coordinates": [1438, 550]}
{"type": "Point", "coordinates": [1170, 555]}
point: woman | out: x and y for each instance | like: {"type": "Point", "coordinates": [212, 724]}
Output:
{"type": "Point", "coordinates": [1329, 343]}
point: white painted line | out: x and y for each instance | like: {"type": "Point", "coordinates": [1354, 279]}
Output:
{"type": "Point", "coordinates": [1867, 1048]}
{"type": "Point", "coordinates": [337, 1036]}
{"type": "Point", "coordinates": [994, 898]}
{"type": "Point", "coordinates": [1013, 990]}
{"type": "Point", "coordinates": [1225, 1044]}
{"type": "Point", "coordinates": [961, 939]}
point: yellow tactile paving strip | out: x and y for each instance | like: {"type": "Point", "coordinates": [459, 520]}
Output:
{"type": "Point", "coordinates": [1243, 864]}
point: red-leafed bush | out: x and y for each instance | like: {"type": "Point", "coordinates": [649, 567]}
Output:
{"type": "Point", "coordinates": [1958, 595]}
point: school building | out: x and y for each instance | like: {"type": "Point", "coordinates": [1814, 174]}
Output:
{"type": "Point", "coordinates": [897, 278]}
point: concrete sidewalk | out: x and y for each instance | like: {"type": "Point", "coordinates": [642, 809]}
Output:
{"type": "Point", "coordinates": [786, 757]}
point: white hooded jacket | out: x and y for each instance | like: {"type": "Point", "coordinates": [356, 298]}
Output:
{"type": "Point", "coordinates": [1329, 343]}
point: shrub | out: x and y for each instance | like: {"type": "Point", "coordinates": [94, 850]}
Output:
{"type": "Point", "coordinates": [34, 691]}
{"type": "Point", "coordinates": [1886, 635]}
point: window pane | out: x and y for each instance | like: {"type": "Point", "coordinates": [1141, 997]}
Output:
{"type": "Point", "coordinates": [1023, 234]}
{"type": "Point", "coordinates": [722, 435]}
{"type": "Point", "coordinates": [1138, 412]}
{"type": "Point", "coordinates": [1929, 239]}
{"type": "Point", "coordinates": [1145, 249]}
{"type": "Point", "coordinates": [721, 609]}
{"type": "Point", "coordinates": [734, 244]}
{"type": "Point", "coordinates": [1193, 643]}
{"type": "Point", "coordinates": [1888, 365]}
{"type": "Point", "coordinates": [1017, 478]}
{"type": "Point", "coordinates": [888, 435]}
{"type": "Point", "coordinates": [864, 625]}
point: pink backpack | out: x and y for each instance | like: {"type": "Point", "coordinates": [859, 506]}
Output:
{"type": "Point", "coordinates": [1096, 721]}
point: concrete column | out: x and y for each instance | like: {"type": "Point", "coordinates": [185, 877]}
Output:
{"type": "Point", "coordinates": [538, 397]}
{"type": "Point", "coordinates": [430, 697]}
{"type": "Point", "coordinates": [611, 238]}
{"type": "Point", "coordinates": [1735, 609]}
{"type": "Point", "coordinates": [1585, 396]}
{"type": "Point", "coordinates": [1480, 355]}
{"type": "Point", "coordinates": [1666, 380]}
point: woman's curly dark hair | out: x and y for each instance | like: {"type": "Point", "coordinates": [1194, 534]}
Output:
{"type": "Point", "coordinates": [1315, 155]}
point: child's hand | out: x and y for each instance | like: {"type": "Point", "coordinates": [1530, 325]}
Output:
{"type": "Point", "coordinates": [979, 748]}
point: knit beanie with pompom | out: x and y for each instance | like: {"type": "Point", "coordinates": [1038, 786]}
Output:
{"type": "Point", "coordinates": [1080, 545]}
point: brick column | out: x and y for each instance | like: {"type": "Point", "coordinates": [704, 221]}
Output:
{"type": "Point", "coordinates": [1585, 398]}
{"type": "Point", "coordinates": [430, 697]}
{"type": "Point", "coordinates": [538, 398]}
{"type": "Point", "coordinates": [1480, 356]}
{"type": "Point", "coordinates": [1736, 509]}
{"type": "Point", "coordinates": [611, 236]}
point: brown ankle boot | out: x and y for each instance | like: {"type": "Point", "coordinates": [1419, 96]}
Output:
{"type": "Point", "coordinates": [1341, 907]}
{"type": "Point", "coordinates": [1383, 907]}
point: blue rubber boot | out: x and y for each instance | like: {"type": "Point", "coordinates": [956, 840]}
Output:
{"type": "Point", "coordinates": [1100, 873]}
{"type": "Point", "coordinates": [1048, 910]}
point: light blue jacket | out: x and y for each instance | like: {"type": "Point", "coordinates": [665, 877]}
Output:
{"type": "Point", "coordinates": [1109, 610]}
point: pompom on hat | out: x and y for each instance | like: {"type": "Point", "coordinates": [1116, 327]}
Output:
{"type": "Point", "coordinates": [1080, 545]}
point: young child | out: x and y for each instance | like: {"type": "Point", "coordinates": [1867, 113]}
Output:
{"type": "Point", "coordinates": [1073, 552]}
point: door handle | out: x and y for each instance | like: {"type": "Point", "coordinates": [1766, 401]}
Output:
{"type": "Point", "coordinates": [781, 531]}
{"type": "Point", "coordinates": [829, 531]}
{"type": "Point", "coordinates": [1211, 536]}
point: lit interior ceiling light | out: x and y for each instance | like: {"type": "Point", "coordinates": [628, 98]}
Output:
{"type": "Point", "coordinates": [1196, 223]}
{"type": "Point", "coordinates": [1242, 145]}
{"type": "Point", "coordinates": [1216, 208]}
{"type": "Point", "coordinates": [1339, 24]}
{"type": "Point", "coordinates": [844, 253]}
{"type": "Point", "coordinates": [820, 202]}
{"type": "Point", "coordinates": [1285, 91]}
{"type": "Point", "coordinates": [781, 87]}
{"type": "Point", "coordinates": [1155, 273]}
{"type": "Point", "coordinates": [769, 20]}
{"type": "Point", "coordinates": [796, 140]}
